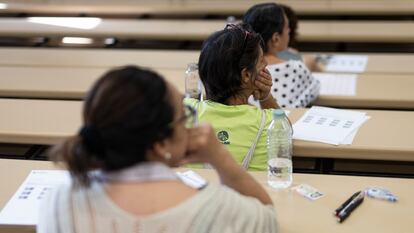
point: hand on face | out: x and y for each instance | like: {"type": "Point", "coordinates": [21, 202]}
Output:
{"type": "Point", "coordinates": [263, 82]}
{"type": "Point", "coordinates": [203, 146]}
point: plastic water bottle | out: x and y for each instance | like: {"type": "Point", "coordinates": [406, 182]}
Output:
{"type": "Point", "coordinates": [279, 147]}
{"type": "Point", "coordinates": [193, 86]}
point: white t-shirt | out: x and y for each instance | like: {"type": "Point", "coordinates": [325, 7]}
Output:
{"type": "Point", "coordinates": [293, 84]}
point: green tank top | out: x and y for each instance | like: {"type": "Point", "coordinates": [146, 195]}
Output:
{"type": "Point", "coordinates": [236, 127]}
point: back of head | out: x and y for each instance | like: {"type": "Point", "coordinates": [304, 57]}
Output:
{"type": "Point", "coordinates": [265, 19]}
{"type": "Point", "coordinates": [223, 56]}
{"type": "Point", "coordinates": [125, 113]}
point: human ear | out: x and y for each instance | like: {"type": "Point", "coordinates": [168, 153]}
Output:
{"type": "Point", "coordinates": [275, 40]}
{"type": "Point", "coordinates": [159, 152]}
{"type": "Point", "coordinates": [246, 76]}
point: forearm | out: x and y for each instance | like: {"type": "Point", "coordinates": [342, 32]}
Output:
{"type": "Point", "coordinates": [233, 176]}
{"type": "Point", "coordinates": [312, 63]}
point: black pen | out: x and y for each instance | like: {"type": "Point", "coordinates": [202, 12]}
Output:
{"type": "Point", "coordinates": [345, 212]}
{"type": "Point", "coordinates": [346, 203]}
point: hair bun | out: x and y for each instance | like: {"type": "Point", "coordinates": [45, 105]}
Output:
{"type": "Point", "coordinates": [92, 140]}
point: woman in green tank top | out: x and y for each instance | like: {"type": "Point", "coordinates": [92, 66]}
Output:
{"type": "Point", "coordinates": [232, 68]}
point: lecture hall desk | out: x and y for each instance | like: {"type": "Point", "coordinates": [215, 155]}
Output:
{"type": "Point", "coordinates": [386, 136]}
{"type": "Point", "coordinates": [295, 214]}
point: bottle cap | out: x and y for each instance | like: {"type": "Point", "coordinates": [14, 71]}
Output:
{"type": "Point", "coordinates": [278, 113]}
{"type": "Point", "coordinates": [192, 66]}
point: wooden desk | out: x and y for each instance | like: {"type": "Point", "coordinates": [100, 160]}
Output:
{"type": "Point", "coordinates": [390, 63]}
{"type": "Point", "coordinates": [356, 31]}
{"type": "Point", "coordinates": [294, 213]}
{"type": "Point", "coordinates": [315, 31]}
{"type": "Point", "coordinates": [381, 91]}
{"type": "Point", "coordinates": [177, 8]}
{"type": "Point", "coordinates": [98, 58]}
{"type": "Point", "coordinates": [74, 82]}
{"type": "Point", "coordinates": [383, 63]}
{"type": "Point", "coordinates": [62, 82]}
{"type": "Point", "coordinates": [69, 73]}
{"type": "Point", "coordinates": [38, 121]}
{"type": "Point", "coordinates": [207, 7]}
{"type": "Point", "coordinates": [386, 136]}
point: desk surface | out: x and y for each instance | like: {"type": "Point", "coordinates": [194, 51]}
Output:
{"type": "Point", "coordinates": [222, 7]}
{"type": "Point", "coordinates": [376, 91]}
{"type": "Point", "coordinates": [74, 82]}
{"type": "Point", "coordinates": [321, 31]}
{"type": "Point", "coordinates": [98, 58]}
{"type": "Point", "coordinates": [62, 82]}
{"type": "Point", "coordinates": [386, 136]}
{"type": "Point", "coordinates": [294, 213]}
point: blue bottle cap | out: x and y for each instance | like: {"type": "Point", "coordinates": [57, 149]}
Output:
{"type": "Point", "coordinates": [278, 113]}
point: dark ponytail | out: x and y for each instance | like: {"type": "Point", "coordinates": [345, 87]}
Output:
{"type": "Point", "coordinates": [76, 158]}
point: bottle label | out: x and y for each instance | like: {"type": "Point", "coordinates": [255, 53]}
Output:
{"type": "Point", "coordinates": [279, 171]}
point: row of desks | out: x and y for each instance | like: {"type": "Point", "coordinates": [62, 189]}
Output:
{"type": "Point", "coordinates": [381, 91]}
{"type": "Point", "coordinates": [309, 31]}
{"type": "Point", "coordinates": [208, 7]}
{"type": "Point", "coordinates": [294, 213]}
{"type": "Point", "coordinates": [170, 59]}
{"type": "Point", "coordinates": [68, 74]}
{"type": "Point", "coordinates": [386, 136]}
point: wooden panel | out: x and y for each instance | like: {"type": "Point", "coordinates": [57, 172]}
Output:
{"type": "Point", "coordinates": [316, 31]}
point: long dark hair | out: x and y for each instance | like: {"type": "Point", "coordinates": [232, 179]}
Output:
{"type": "Point", "coordinates": [125, 113]}
{"type": "Point", "coordinates": [223, 56]}
{"type": "Point", "coordinates": [265, 19]}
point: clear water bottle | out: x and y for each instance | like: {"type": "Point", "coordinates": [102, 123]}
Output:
{"type": "Point", "coordinates": [279, 147]}
{"type": "Point", "coordinates": [193, 86]}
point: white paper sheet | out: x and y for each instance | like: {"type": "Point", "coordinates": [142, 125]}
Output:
{"type": "Point", "coordinates": [328, 125]}
{"type": "Point", "coordinates": [22, 208]}
{"type": "Point", "coordinates": [346, 63]}
{"type": "Point", "coordinates": [337, 84]}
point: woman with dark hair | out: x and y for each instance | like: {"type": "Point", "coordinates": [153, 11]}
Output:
{"type": "Point", "coordinates": [292, 53]}
{"type": "Point", "coordinates": [293, 84]}
{"type": "Point", "coordinates": [135, 128]}
{"type": "Point", "coordinates": [232, 68]}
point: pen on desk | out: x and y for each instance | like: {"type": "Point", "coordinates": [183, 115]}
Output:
{"type": "Point", "coordinates": [347, 210]}
{"type": "Point", "coordinates": [336, 212]}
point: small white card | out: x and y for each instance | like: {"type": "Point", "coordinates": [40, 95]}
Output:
{"type": "Point", "coordinates": [307, 191]}
{"type": "Point", "coordinates": [192, 179]}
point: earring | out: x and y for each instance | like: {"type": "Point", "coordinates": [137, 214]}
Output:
{"type": "Point", "coordinates": [167, 156]}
